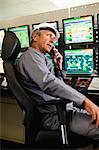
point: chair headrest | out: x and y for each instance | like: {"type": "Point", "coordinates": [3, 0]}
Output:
{"type": "Point", "coordinates": [10, 46]}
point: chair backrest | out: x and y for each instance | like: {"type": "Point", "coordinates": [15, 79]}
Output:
{"type": "Point", "coordinates": [10, 47]}
{"type": "Point", "coordinates": [10, 50]}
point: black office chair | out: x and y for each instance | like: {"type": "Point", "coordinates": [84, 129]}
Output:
{"type": "Point", "coordinates": [35, 135]}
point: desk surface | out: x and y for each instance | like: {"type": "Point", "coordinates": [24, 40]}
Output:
{"type": "Point", "coordinates": [94, 92]}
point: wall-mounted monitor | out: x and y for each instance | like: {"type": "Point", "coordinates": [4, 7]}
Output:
{"type": "Point", "coordinates": [78, 30]}
{"type": "Point", "coordinates": [54, 24]}
{"type": "Point", "coordinates": [79, 62]}
{"type": "Point", "coordinates": [23, 33]}
{"type": "Point", "coordinates": [34, 25]}
{"type": "Point", "coordinates": [2, 33]}
{"type": "Point", "coordinates": [98, 25]}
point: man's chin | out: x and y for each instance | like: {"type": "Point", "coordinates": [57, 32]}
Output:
{"type": "Point", "coordinates": [48, 51]}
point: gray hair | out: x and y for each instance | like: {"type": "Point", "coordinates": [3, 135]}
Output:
{"type": "Point", "coordinates": [36, 31]}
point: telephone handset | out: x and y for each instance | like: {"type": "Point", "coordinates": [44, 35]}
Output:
{"type": "Point", "coordinates": [53, 54]}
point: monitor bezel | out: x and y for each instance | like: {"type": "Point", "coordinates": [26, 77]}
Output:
{"type": "Point", "coordinates": [28, 29]}
{"type": "Point", "coordinates": [34, 24]}
{"type": "Point", "coordinates": [57, 24]}
{"type": "Point", "coordinates": [78, 75]}
{"type": "Point", "coordinates": [78, 43]}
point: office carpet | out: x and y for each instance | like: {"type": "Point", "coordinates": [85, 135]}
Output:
{"type": "Point", "coordinates": [9, 145]}
{"type": "Point", "coordinates": [4, 144]}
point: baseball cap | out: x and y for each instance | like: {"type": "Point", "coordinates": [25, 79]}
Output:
{"type": "Point", "coordinates": [47, 26]}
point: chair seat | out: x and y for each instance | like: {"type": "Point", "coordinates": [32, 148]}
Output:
{"type": "Point", "coordinates": [52, 139]}
{"type": "Point", "coordinates": [48, 139]}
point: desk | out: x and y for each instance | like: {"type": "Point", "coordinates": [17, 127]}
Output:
{"type": "Point", "coordinates": [11, 118]}
{"type": "Point", "coordinates": [94, 96]}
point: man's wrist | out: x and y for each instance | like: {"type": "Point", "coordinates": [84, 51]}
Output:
{"type": "Point", "coordinates": [85, 102]}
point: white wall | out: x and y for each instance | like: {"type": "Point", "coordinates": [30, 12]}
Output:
{"type": "Point", "coordinates": [58, 15]}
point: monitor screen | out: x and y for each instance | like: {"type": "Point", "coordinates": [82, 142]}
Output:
{"type": "Point", "coordinates": [23, 33]}
{"type": "Point", "coordinates": [79, 62]}
{"type": "Point", "coordinates": [54, 24]}
{"type": "Point", "coordinates": [78, 30]}
{"type": "Point", "coordinates": [2, 33]}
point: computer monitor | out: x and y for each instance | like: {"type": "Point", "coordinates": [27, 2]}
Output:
{"type": "Point", "coordinates": [79, 62]}
{"type": "Point", "coordinates": [78, 30]}
{"type": "Point", "coordinates": [34, 25]}
{"type": "Point", "coordinates": [2, 33]}
{"type": "Point", "coordinates": [54, 24]}
{"type": "Point", "coordinates": [23, 33]}
{"type": "Point", "coordinates": [98, 24]}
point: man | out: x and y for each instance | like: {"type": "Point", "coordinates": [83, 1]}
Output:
{"type": "Point", "coordinates": [36, 76]}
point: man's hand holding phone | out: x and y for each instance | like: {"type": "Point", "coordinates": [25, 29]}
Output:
{"type": "Point", "coordinates": [57, 58]}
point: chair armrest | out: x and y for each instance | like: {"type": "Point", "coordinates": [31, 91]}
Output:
{"type": "Point", "coordinates": [61, 108]}
{"type": "Point", "coordinates": [54, 102]}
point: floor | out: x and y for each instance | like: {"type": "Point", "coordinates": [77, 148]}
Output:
{"type": "Point", "coordinates": [12, 145]}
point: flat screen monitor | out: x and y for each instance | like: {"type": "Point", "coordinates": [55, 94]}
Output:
{"type": "Point", "coordinates": [34, 25]}
{"type": "Point", "coordinates": [78, 30]}
{"type": "Point", "coordinates": [98, 24]}
{"type": "Point", "coordinates": [23, 33]}
{"type": "Point", "coordinates": [79, 62]}
{"type": "Point", "coordinates": [54, 24]}
{"type": "Point", "coordinates": [2, 33]}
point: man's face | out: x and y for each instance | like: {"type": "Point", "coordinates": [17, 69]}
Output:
{"type": "Point", "coordinates": [45, 41]}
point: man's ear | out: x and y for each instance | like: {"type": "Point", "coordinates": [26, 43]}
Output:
{"type": "Point", "coordinates": [34, 36]}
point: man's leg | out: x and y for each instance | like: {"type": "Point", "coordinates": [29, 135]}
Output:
{"type": "Point", "coordinates": [82, 124]}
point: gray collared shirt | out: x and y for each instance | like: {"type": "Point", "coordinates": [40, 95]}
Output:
{"type": "Point", "coordinates": [36, 75]}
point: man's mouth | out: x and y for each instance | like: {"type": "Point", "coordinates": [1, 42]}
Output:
{"type": "Point", "coordinates": [50, 45]}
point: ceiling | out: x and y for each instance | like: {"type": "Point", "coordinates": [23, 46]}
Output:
{"type": "Point", "coordinates": [10, 9]}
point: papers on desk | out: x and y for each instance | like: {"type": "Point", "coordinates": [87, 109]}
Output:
{"type": "Point", "coordinates": [94, 85]}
